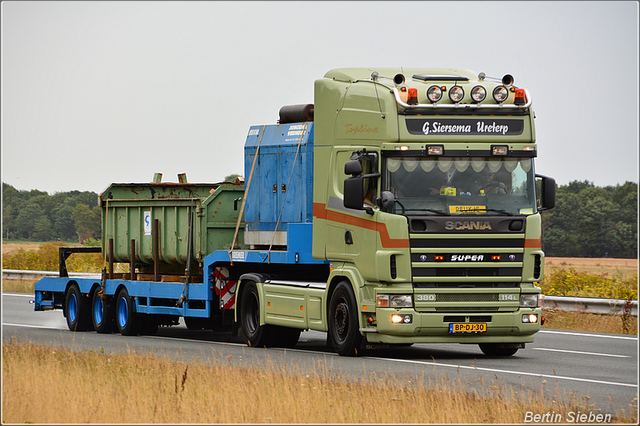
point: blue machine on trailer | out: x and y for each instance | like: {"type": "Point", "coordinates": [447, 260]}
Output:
{"type": "Point", "coordinates": [278, 211]}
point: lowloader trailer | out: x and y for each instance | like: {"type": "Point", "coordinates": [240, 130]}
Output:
{"type": "Point", "coordinates": [401, 207]}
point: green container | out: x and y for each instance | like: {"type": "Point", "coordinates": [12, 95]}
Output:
{"type": "Point", "coordinates": [129, 211]}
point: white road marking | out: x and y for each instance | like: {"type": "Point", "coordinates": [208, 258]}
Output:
{"type": "Point", "coordinates": [31, 326]}
{"type": "Point", "coordinates": [580, 352]}
{"type": "Point", "coordinates": [573, 333]}
{"type": "Point", "coordinates": [495, 370]}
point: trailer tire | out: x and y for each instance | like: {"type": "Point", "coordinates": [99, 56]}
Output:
{"type": "Point", "coordinates": [127, 321]}
{"type": "Point", "coordinates": [255, 335]}
{"type": "Point", "coordinates": [102, 313]}
{"type": "Point", "coordinates": [344, 329]}
{"type": "Point", "coordinates": [497, 349]}
{"type": "Point", "coordinates": [76, 310]}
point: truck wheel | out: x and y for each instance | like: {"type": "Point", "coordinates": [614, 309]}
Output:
{"type": "Point", "coordinates": [343, 320]}
{"type": "Point", "coordinates": [286, 337]}
{"type": "Point", "coordinates": [127, 321]}
{"type": "Point", "coordinates": [102, 313]}
{"type": "Point", "coordinates": [76, 310]}
{"type": "Point", "coordinates": [255, 335]}
{"type": "Point", "coordinates": [497, 349]}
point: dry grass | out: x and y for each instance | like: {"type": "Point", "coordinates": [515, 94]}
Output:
{"type": "Point", "coordinates": [66, 387]}
{"type": "Point", "coordinates": [18, 286]}
{"type": "Point", "coordinates": [581, 321]}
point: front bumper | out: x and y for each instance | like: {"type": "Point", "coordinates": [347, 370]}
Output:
{"type": "Point", "coordinates": [502, 327]}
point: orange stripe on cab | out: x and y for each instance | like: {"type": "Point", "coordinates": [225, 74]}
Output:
{"type": "Point", "coordinates": [320, 211]}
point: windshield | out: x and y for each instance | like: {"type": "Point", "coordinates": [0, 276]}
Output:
{"type": "Point", "coordinates": [448, 185]}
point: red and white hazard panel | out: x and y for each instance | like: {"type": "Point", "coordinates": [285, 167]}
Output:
{"type": "Point", "coordinates": [225, 288]}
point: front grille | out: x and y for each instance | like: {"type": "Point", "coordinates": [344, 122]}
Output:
{"type": "Point", "coordinates": [457, 271]}
{"type": "Point", "coordinates": [466, 297]}
{"type": "Point", "coordinates": [433, 257]}
{"type": "Point", "coordinates": [464, 285]}
{"type": "Point", "coordinates": [465, 309]}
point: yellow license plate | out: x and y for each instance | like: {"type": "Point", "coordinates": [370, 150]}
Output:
{"type": "Point", "coordinates": [467, 327]}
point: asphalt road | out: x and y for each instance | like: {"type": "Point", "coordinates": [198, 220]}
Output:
{"type": "Point", "coordinates": [600, 368]}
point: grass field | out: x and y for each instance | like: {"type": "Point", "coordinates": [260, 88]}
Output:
{"type": "Point", "coordinates": [44, 384]}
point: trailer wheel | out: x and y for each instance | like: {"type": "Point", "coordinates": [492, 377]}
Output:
{"type": "Point", "coordinates": [127, 321]}
{"type": "Point", "coordinates": [344, 330]}
{"type": "Point", "coordinates": [76, 310]}
{"type": "Point", "coordinates": [102, 314]}
{"type": "Point", "coordinates": [286, 337]}
{"type": "Point", "coordinates": [497, 349]}
{"type": "Point", "coordinates": [255, 335]}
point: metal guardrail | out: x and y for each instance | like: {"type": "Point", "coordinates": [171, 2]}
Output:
{"type": "Point", "coordinates": [15, 274]}
{"type": "Point", "coordinates": [591, 305]}
{"type": "Point", "coordinates": [562, 303]}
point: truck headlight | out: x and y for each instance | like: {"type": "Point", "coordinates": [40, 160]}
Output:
{"type": "Point", "coordinates": [394, 300]}
{"type": "Point", "coordinates": [401, 319]}
{"type": "Point", "coordinates": [528, 300]}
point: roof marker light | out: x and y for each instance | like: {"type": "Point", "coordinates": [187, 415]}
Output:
{"type": "Point", "coordinates": [499, 150]}
{"type": "Point", "coordinates": [435, 150]}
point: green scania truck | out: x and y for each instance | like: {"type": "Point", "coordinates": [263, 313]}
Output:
{"type": "Point", "coordinates": [401, 207]}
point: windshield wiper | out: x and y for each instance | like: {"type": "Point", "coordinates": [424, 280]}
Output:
{"type": "Point", "coordinates": [439, 212]}
{"type": "Point", "coordinates": [499, 211]}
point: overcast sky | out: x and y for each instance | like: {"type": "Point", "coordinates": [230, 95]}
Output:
{"type": "Point", "coordinates": [102, 92]}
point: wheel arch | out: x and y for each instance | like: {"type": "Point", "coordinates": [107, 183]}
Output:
{"type": "Point", "coordinates": [257, 278]}
{"type": "Point", "coordinates": [354, 278]}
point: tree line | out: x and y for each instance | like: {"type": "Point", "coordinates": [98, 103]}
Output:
{"type": "Point", "coordinates": [591, 221]}
{"type": "Point", "coordinates": [588, 221]}
{"type": "Point", "coordinates": [72, 216]}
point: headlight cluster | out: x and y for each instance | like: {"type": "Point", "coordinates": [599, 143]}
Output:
{"type": "Point", "coordinates": [529, 300]}
{"type": "Point", "coordinates": [394, 300]}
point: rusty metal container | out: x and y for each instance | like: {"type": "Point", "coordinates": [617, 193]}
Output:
{"type": "Point", "coordinates": [204, 214]}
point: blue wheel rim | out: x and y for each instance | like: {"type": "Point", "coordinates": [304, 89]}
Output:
{"type": "Point", "coordinates": [97, 310]}
{"type": "Point", "coordinates": [73, 308]}
{"type": "Point", "coordinates": [123, 312]}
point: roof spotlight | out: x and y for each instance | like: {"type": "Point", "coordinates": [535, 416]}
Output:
{"type": "Point", "coordinates": [500, 94]}
{"type": "Point", "coordinates": [478, 94]}
{"type": "Point", "coordinates": [456, 94]}
{"type": "Point", "coordinates": [434, 93]}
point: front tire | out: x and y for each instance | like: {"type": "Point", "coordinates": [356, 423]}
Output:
{"type": "Point", "coordinates": [255, 335]}
{"type": "Point", "coordinates": [344, 328]}
{"type": "Point", "coordinates": [76, 310]}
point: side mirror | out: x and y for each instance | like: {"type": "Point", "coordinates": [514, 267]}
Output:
{"type": "Point", "coordinates": [386, 200]}
{"type": "Point", "coordinates": [353, 192]}
{"type": "Point", "coordinates": [352, 167]}
{"type": "Point", "coordinates": [548, 195]}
